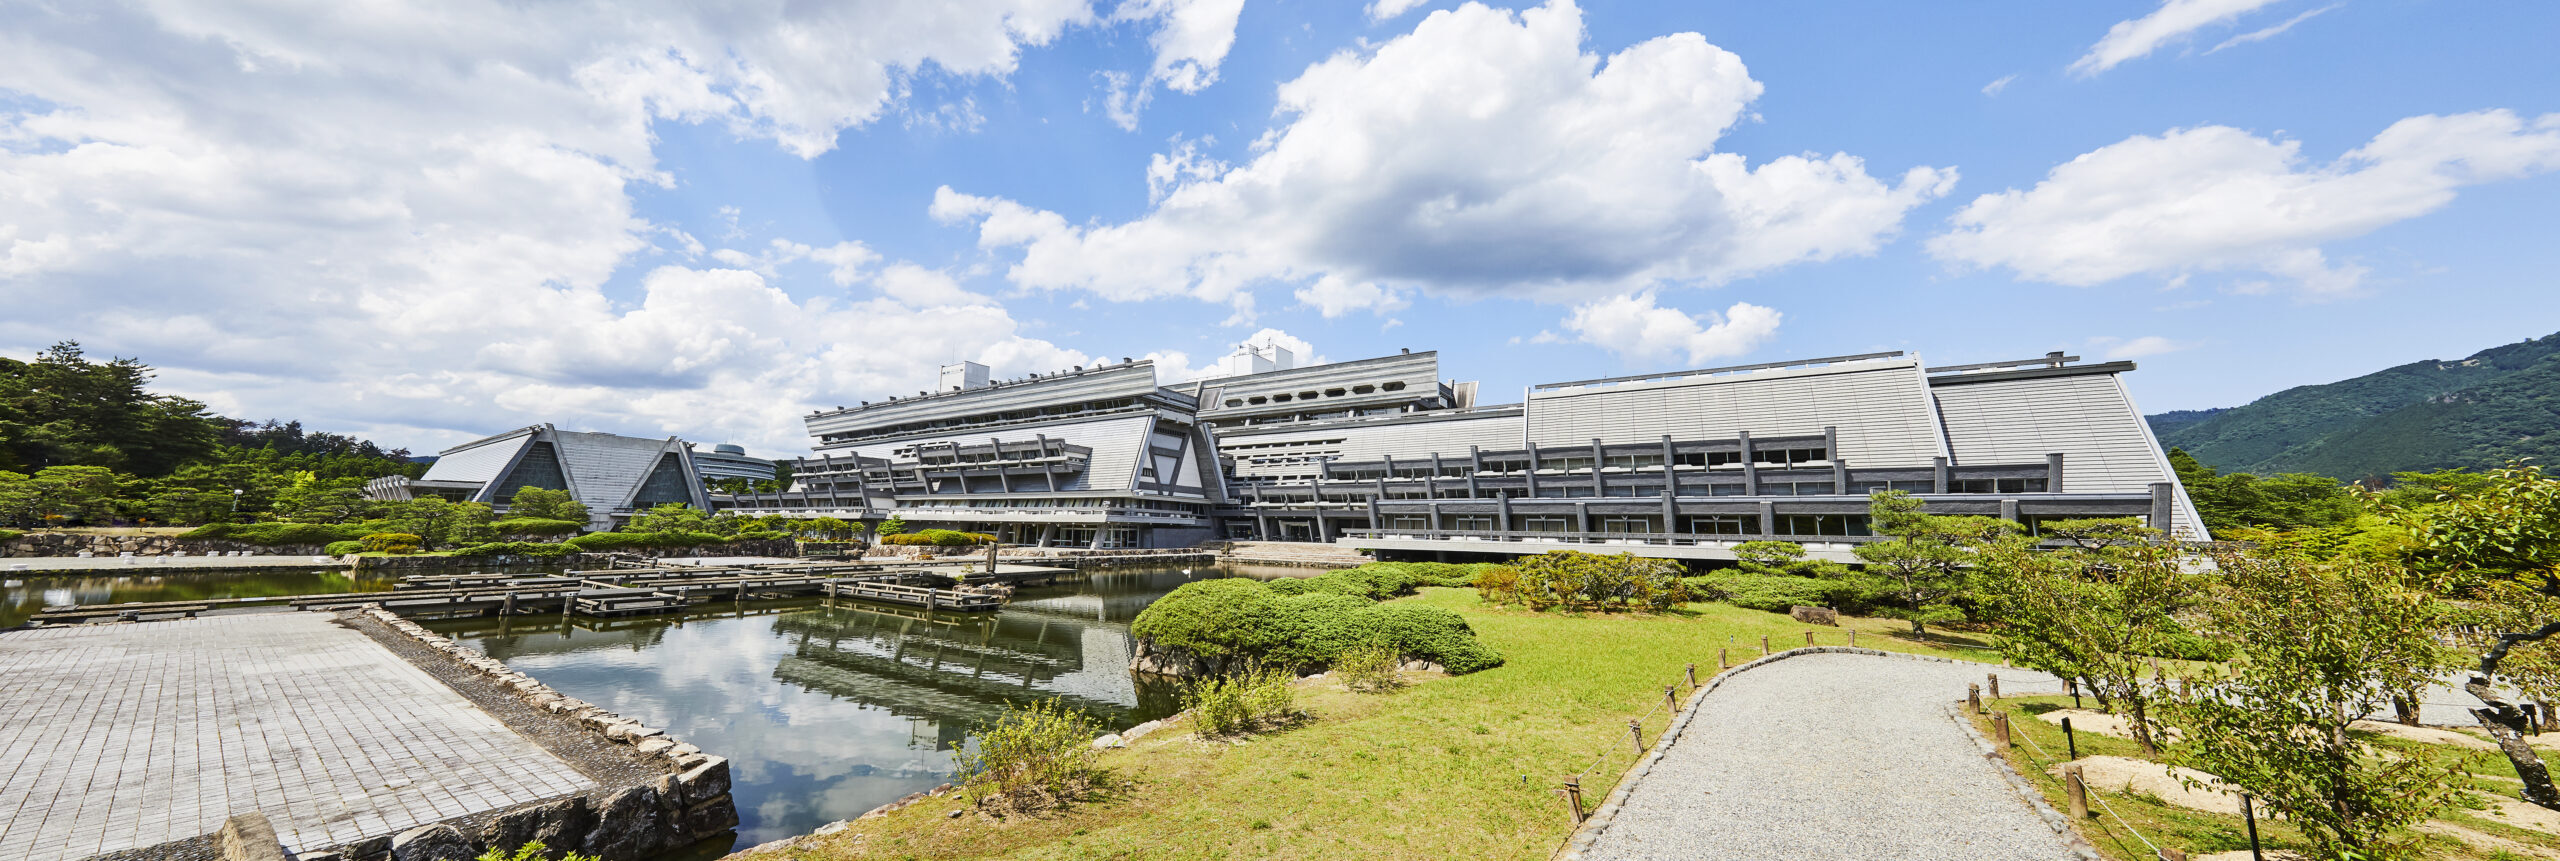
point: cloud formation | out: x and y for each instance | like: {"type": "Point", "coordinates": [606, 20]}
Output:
{"type": "Point", "coordinates": [1191, 39]}
{"type": "Point", "coordinates": [386, 221]}
{"type": "Point", "coordinates": [2174, 20]}
{"type": "Point", "coordinates": [1638, 329]}
{"type": "Point", "coordinates": [2216, 198]}
{"type": "Point", "coordinates": [1483, 153]}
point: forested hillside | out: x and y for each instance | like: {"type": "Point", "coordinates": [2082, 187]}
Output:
{"type": "Point", "coordinates": [2497, 405]}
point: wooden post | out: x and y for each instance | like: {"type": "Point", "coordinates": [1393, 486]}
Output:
{"type": "Point", "coordinates": [1973, 697]}
{"type": "Point", "coordinates": [1808, 636]}
{"type": "Point", "coordinates": [1635, 732]}
{"type": "Point", "coordinates": [2000, 728]}
{"type": "Point", "coordinates": [2076, 789]}
{"type": "Point", "coordinates": [1723, 663]}
{"type": "Point", "coordinates": [2167, 854]}
{"type": "Point", "coordinates": [1573, 798]}
{"type": "Point", "coordinates": [1995, 686]}
{"type": "Point", "coordinates": [1693, 677]}
{"type": "Point", "coordinates": [1764, 645]}
{"type": "Point", "coordinates": [1853, 638]}
{"type": "Point", "coordinates": [1670, 701]}
{"type": "Point", "coordinates": [509, 609]}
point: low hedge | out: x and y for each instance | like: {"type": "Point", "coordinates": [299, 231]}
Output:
{"type": "Point", "coordinates": [537, 526]}
{"type": "Point", "coordinates": [608, 542]}
{"type": "Point", "coordinates": [1379, 581]}
{"type": "Point", "coordinates": [1239, 618]}
{"type": "Point", "coordinates": [389, 542]}
{"type": "Point", "coordinates": [516, 548]}
{"type": "Point", "coordinates": [1775, 594]}
{"type": "Point", "coordinates": [342, 548]}
{"type": "Point", "coordinates": [273, 533]}
{"type": "Point", "coordinates": [938, 538]}
{"type": "Point", "coordinates": [9, 534]}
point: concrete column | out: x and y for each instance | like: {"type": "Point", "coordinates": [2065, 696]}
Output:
{"type": "Point", "coordinates": [1599, 459]}
{"type": "Point", "coordinates": [1582, 517]}
{"type": "Point", "coordinates": [1475, 458]}
{"type": "Point", "coordinates": [1436, 522]}
{"type": "Point", "coordinates": [1472, 490]}
{"type": "Point", "coordinates": [1533, 471]}
{"type": "Point", "coordinates": [2009, 510]}
{"type": "Point", "coordinates": [1938, 477]}
{"type": "Point", "coordinates": [1004, 479]}
{"type": "Point", "coordinates": [1750, 468]}
{"type": "Point", "coordinates": [1375, 521]}
{"type": "Point", "coordinates": [2053, 473]}
{"type": "Point", "coordinates": [1830, 443]}
{"type": "Point", "coordinates": [1098, 530]}
{"type": "Point", "coordinates": [1670, 478]}
{"type": "Point", "coordinates": [1047, 530]}
{"type": "Point", "coordinates": [2162, 494]}
{"type": "Point", "coordinates": [1670, 512]}
{"type": "Point", "coordinates": [1261, 527]}
{"type": "Point", "coordinates": [1768, 519]}
{"type": "Point", "coordinates": [1502, 514]}
{"type": "Point", "coordinates": [1839, 476]}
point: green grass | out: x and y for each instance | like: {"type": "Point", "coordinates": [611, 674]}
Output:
{"type": "Point", "coordinates": [2038, 746]}
{"type": "Point", "coordinates": [1462, 767]}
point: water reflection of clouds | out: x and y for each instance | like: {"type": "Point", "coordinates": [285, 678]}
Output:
{"type": "Point", "coordinates": [826, 713]}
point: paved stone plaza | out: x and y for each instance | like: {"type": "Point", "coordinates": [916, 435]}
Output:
{"type": "Point", "coordinates": [123, 736]}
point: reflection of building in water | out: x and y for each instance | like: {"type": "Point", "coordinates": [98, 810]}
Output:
{"type": "Point", "coordinates": [959, 674]}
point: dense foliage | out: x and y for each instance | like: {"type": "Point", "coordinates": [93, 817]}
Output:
{"type": "Point", "coordinates": [2497, 405]}
{"type": "Point", "coordinates": [65, 410]}
{"type": "Point", "coordinates": [1240, 620]}
{"type": "Point", "coordinates": [1033, 757]}
{"type": "Point", "coordinates": [1587, 582]}
{"type": "Point", "coordinates": [939, 538]}
{"type": "Point", "coordinates": [1237, 703]}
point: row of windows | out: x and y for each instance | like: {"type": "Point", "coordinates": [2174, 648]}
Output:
{"type": "Point", "coordinates": [1311, 394]}
{"type": "Point", "coordinates": [1797, 525]}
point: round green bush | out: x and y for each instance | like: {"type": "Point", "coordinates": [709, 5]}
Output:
{"type": "Point", "coordinates": [10, 534]}
{"type": "Point", "coordinates": [1240, 618]}
{"type": "Point", "coordinates": [1216, 618]}
{"type": "Point", "coordinates": [1426, 633]}
{"type": "Point", "coordinates": [1321, 628]}
{"type": "Point", "coordinates": [342, 548]}
{"type": "Point", "coordinates": [389, 542]}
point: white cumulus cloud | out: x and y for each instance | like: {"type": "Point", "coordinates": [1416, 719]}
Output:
{"type": "Point", "coordinates": [1484, 152]}
{"type": "Point", "coordinates": [1333, 297]}
{"type": "Point", "coordinates": [1380, 10]}
{"type": "Point", "coordinates": [2216, 198]}
{"type": "Point", "coordinates": [1191, 40]}
{"type": "Point", "coordinates": [1635, 327]}
{"type": "Point", "coordinates": [2175, 19]}
{"type": "Point", "coordinates": [402, 219]}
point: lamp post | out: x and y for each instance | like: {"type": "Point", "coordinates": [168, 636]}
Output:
{"type": "Point", "coordinates": [235, 503]}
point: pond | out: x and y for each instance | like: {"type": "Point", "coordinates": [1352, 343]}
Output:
{"type": "Point", "coordinates": [827, 709]}
{"type": "Point", "coordinates": [23, 596]}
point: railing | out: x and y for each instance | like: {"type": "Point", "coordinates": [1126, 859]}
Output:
{"type": "Point", "coordinates": [1629, 539]}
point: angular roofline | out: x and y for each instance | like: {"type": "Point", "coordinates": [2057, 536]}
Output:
{"type": "Point", "coordinates": [1733, 369]}
{"type": "Point", "coordinates": [1958, 379]}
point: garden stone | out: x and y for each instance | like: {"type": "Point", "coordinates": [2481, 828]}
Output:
{"type": "Point", "coordinates": [437, 842]}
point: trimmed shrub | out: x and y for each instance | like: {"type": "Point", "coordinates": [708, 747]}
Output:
{"type": "Point", "coordinates": [342, 548]}
{"type": "Point", "coordinates": [276, 532]}
{"type": "Point", "coordinates": [609, 542]}
{"type": "Point", "coordinates": [938, 538]}
{"type": "Point", "coordinates": [760, 535]}
{"type": "Point", "coordinates": [389, 542]}
{"type": "Point", "coordinates": [1239, 619]}
{"type": "Point", "coordinates": [1427, 633]}
{"type": "Point", "coordinates": [1589, 581]}
{"type": "Point", "coordinates": [542, 549]}
{"type": "Point", "coordinates": [10, 534]}
{"type": "Point", "coordinates": [1776, 594]}
{"type": "Point", "coordinates": [1232, 617]}
{"type": "Point", "coordinates": [537, 526]}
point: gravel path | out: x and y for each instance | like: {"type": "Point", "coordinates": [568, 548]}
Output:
{"type": "Point", "coordinates": [1831, 756]}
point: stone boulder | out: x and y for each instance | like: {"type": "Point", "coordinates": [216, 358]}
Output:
{"type": "Point", "coordinates": [437, 842]}
{"type": "Point", "coordinates": [627, 826]}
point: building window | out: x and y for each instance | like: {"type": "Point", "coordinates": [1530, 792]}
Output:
{"type": "Point", "coordinates": [1784, 456]}
{"type": "Point", "coordinates": [1635, 461]}
{"type": "Point", "coordinates": [1546, 524]}
{"type": "Point", "coordinates": [1333, 393]}
{"type": "Point", "coordinates": [1404, 521]}
{"type": "Point", "coordinates": [1723, 524]}
{"type": "Point", "coordinates": [1235, 402]}
{"type": "Point", "coordinates": [1727, 490]}
{"type": "Point", "coordinates": [1822, 525]}
{"type": "Point", "coordinates": [1627, 525]}
{"type": "Point", "coordinates": [1393, 387]}
{"type": "Point", "coordinates": [1363, 389]}
{"type": "Point", "coordinates": [2022, 485]}
{"type": "Point", "coordinates": [1470, 523]}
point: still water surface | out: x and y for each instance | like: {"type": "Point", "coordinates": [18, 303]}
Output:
{"type": "Point", "coordinates": [21, 597]}
{"type": "Point", "coordinates": [828, 709]}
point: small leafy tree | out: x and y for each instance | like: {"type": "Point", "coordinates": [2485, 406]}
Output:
{"type": "Point", "coordinates": [308, 498]}
{"type": "Point", "coordinates": [827, 529]}
{"type": "Point", "coordinates": [428, 518]}
{"type": "Point", "coordinates": [56, 495]}
{"type": "Point", "coordinates": [472, 523]}
{"type": "Point", "coordinates": [2092, 609]}
{"type": "Point", "coordinates": [2499, 543]}
{"type": "Point", "coordinates": [889, 527]}
{"type": "Point", "coordinates": [1924, 557]}
{"type": "Point", "coordinates": [2322, 643]}
{"type": "Point", "coordinates": [1588, 582]}
{"type": "Point", "coordinates": [669, 517]}
{"type": "Point", "coordinates": [544, 504]}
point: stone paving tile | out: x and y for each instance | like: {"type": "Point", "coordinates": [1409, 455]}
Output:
{"type": "Point", "coordinates": [124, 736]}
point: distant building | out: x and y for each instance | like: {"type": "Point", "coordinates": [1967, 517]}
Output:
{"type": "Point", "coordinates": [1384, 454]}
{"type": "Point", "coordinates": [615, 476]}
{"type": "Point", "coordinates": [725, 461]}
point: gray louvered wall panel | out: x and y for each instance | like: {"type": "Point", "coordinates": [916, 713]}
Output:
{"type": "Point", "coordinates": [1122, 381]}
{"type": "Point", "coordinates": [606, 468]}
{"type": "Point", "coordinates": [1880, 408]}
{"type": "Point", "coordinates": [2105, 446]}
{"type": "Point", "coordinates": [479, 461]}
{"type": "Point", "coordinates": [1400, 439]}
{"type": "Point", "coordinates": [1112, 467]}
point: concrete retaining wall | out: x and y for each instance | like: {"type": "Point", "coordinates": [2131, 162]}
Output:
{"type": "Point", "coordinates": [687, 802]}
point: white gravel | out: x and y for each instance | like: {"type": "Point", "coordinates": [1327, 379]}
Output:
{"type": "Point", "coordinates": [1831, 756]}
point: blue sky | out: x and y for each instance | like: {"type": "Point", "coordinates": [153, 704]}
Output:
{"type": "Point", "coordinates": [426, 223]}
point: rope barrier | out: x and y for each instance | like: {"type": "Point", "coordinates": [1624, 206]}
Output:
{"type": "Point", "coordinates": [2128, 826]}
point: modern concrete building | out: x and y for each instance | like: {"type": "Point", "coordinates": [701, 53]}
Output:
{"type": "Point", "coordinates": [1093, 457]}
{"type": "Point", "coordinates": [1384, 454]}
{"type": "Point", "coordinates": [616, 476]}
{"type": "Point", "coordinates": [725, 461]}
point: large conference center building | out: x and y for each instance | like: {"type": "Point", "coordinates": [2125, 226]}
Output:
{"type": "Point", "coordinates": [1386, 454]}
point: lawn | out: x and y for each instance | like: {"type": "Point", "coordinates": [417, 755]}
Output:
{"type": "Point", "coordinates": [1462, 767]}
{"type": "Point", "coordinates": [2038, 746]}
